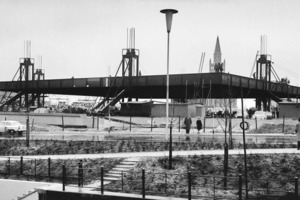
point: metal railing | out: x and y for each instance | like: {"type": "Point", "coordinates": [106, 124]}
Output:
{"type": "Point", "coordinates": [166, 183]}
{"type": "Point", "coordinates": [192, 185]}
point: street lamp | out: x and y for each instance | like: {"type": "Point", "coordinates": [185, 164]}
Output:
{"type": "Point", "coordinates": [169, 15]}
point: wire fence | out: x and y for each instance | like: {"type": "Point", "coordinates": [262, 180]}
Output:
{"type": "Point", "coordinates": [185, 185]}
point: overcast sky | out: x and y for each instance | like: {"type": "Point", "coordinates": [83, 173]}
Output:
{"type": "Point", "coordinates": [84, 38]}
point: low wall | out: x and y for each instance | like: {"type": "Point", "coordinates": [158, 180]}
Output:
{"type": "Point", "coordinates": [59, 195]}
{"type": "Point", "coordinates": [55, 118]}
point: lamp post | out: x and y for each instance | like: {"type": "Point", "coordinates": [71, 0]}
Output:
{"type": "Point", "coordinates": [169, 15]}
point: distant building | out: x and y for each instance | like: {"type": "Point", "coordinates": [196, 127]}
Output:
{"type": "Point", "coordinates": [217, 66]}
{"type": "Point", "coordinates": [289, 109]}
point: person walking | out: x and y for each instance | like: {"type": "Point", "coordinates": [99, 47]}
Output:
{"type": "Point", "coordinates": [297, 130]}
{"type": "Point", "coordinates": [199, 125]}
{"type": "Point", "coordinates": [187, 122]}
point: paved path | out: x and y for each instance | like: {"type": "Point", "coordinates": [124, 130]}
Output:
{"type": "Point", "coordinates": [156, 154]}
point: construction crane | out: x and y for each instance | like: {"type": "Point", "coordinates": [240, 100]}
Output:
{"type": "Point", "coordinates": [254, 64]}
{"type": "Point", "coordinates": [201, 62]}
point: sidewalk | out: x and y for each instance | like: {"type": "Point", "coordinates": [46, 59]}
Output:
{"type": "Point", "coordinates": [156, 154]}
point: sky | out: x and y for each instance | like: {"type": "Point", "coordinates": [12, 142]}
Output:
{"type": "Point", "coordinates": [85, 38]}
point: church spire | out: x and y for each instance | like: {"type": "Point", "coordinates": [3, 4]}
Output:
{"type": "Point", "coordinates": [217, 53]}
{"type": "Point", "coordinates": [218, 48]}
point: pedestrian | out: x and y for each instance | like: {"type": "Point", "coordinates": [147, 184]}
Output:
{"type": "Point", "coordinates": [199, 125]}
{"type": "Point", "coordinates": [297, 130]}
{"type": "Point", "coordinates": [188, 123]}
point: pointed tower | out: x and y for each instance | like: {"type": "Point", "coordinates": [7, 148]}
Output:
{"type": "Point", "coordinates": [217, 53]}
{"type": "Point", "coordinates": [217, 65]}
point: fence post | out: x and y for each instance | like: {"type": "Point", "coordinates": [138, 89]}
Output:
{"type": "Point", "coordinates": [240, 186]}
{"type": "Point", "coordinates": [189, 186]}
{"type": "Point", "coordinates": [93, 122]}
{"type": "Point", "coordinates": [49, 167]}
{"type": "Point", "coordinates": [21, 165]}
{"type": "Point", "coordinates": [296, 186]}
{"type": "Point", "coordinates": [204, 119]}
{"type": "Point", "coordinates": [283, 123]}
{"type": "Point", "coordinates": [130, 123]}
{"type": "Point", "coordinates": [122, 180]}
{"type": "Point", "coordinates": [166, 183]}
{"type": "Point", "coordinates": [102, 185]}
{"type": "Point", "coordinates": [63, 123]}
{"type": "Point", "coordinates": [143, 183]}
{"type": "Point", "coordinates": [179, 124]}
{"type": "Point", "coordinates": [267, 186]}
{"type": "Point", "coordinates": [151, 123]}
{"type": "Point", "coordinates": [255, 123]}
{"type": "Point", "coordinates": [214, 187]}
{"type": "Point", "coordinates": [79, 174]}
{"type": "Point", "coordinates": [64, 177]}
{"type": "Point", "coordinates": [35, 168]}
{"type": "Point", "coordinates": [8, 170]}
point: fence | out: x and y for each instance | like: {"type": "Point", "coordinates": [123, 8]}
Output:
{"type": "Point", "coordinates": [186, 185]}
{"type": "Point", "coordinates": [210, 187]}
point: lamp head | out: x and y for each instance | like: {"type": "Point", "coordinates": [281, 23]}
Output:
{"type": "Point", "coordinates": [169, 15]}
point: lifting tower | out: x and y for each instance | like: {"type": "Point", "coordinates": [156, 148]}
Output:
{"type": "Point", "coordinates": [26, 73]}
{"type": "Point", "coordinates": [263, 72]}
{"type": "Point", "coordinates": [129, 68]}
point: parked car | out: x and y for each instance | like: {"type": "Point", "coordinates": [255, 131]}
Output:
{"type": "Point", "coordinates": [12, 127]}
{"type": "Point", "coordinates": [262, 115]}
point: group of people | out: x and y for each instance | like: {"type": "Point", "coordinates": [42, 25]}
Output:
{"type": "Point", "coordinates": [188, 123]}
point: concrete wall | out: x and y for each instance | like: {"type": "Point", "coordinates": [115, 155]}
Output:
{"type": "Point", "coordinates": [59, 195]}
{"type": "Point", "coordinates": [57, 118]}
{"type": "Point", "coordinates": [183, 110]}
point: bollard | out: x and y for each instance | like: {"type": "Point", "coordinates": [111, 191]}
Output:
{"type": "Point", "coordinates": [240, 186]}
{"type": "Point", "coordinates": [64, 177]}
{"type": "Point", "coordinates": [49, 167]}
{"type": "Point", "coordinates": [102, 185]}
{"type": "Point", "coordinates": [189, 186]}
{"type": "Point", "coordinates": [143, 183]}
{"type": "Point", "coordinates": [21, 165]}
{"type": "Point", "coordinates": [97, 123]}
{"type": "Point", "coordinates": [296, 186]}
